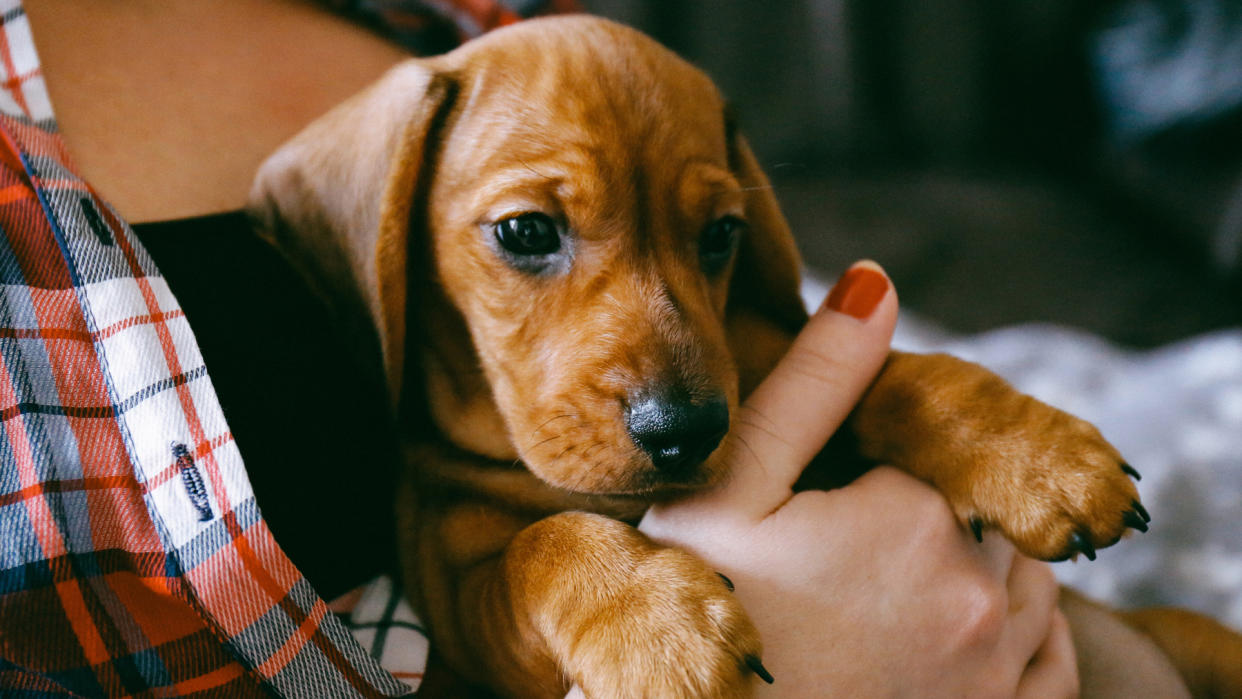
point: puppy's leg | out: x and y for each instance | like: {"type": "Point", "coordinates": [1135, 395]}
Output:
{"type": "Point", "coordinates": [582, 598]}
{"type": "Point", "coordinates": [1046, 479]}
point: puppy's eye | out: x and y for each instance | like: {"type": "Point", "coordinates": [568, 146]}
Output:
{"type": "Point", "coordinates": [718, 242]}
{"type": "Point", "coordinates": [529, 234]}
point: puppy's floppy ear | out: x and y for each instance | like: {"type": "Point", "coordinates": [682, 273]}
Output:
{"type": "Point", "coordinates": [765, 307]}
{"type": "Point", "coordinates": [337, 200]}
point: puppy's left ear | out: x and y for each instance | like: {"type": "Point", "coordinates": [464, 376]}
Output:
{"type": "Point", "coordinates": [337, 200]}
{"type": "Point", "coordinates": [765, 309]}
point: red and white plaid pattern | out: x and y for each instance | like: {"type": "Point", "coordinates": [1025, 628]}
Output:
{"type": "Point", "coordinates": [133, 557]}
{"type": "Point", "coordinates": [433, 26]}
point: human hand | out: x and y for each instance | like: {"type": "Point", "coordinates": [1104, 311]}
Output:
{"type": "Point", "coordinates": [872, 589]}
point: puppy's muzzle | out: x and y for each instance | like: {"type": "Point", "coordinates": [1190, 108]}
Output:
{"type": "Point", "coordinates": [677, 432]}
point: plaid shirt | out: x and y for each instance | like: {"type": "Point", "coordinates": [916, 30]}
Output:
{"type": "Point", "coordinates": [133, 556]}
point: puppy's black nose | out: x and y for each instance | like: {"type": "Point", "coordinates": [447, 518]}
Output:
{"type": "Point", "coordinates": [677, 433]}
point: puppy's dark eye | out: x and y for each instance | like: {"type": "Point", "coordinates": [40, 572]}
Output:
{"type": "Point", "coordinates": [529, 234]}
{"type": "Point", "coordinates": [718, 242]}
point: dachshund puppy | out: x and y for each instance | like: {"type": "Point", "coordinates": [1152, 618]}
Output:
{"type": "Point", "coordinates": [574, 269]}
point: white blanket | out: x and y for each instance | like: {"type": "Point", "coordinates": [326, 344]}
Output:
{"type": "Point", "coordinates": [1176, 415]}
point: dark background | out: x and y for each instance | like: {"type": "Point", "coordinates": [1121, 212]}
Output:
{"type": "Point", "coordinates": [1006, 160]}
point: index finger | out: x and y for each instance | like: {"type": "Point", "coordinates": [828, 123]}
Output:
{"type": "Point", "coordinates": [790, 416]}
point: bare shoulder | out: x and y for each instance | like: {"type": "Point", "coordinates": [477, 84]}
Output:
{"type": "Point", "coordinates": [169, 106]}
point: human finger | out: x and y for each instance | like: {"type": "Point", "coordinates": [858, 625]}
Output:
{"type": "Point", "coordinates": [1053, 672]}
{"type": "Point", "coordinates": [1033, 596]}
{"type": "Point", "coordinates": [787, 419]}
{"type": "Point", "coordinates": [997, 552]}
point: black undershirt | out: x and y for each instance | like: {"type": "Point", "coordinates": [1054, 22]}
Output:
{"type": "Point", "coordinates": [315, 435]}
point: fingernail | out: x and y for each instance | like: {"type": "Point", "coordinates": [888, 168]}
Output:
{"type": "Point", "coordinates": [858, 291]}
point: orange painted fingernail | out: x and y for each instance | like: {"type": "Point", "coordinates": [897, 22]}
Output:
{"type": "Point", "coordinates": [858, 292]}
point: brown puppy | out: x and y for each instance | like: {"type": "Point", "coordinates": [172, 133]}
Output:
{"type": "Point", "coordinates": [576, 269]}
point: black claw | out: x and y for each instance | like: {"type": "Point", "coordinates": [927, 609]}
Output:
{"type": "Point", "coordinates": [1129, 470]}
{"type": "Point", "coordinates": [976, 526]}
{"type": "Point", "coordinates": [728, 583]}
{"type": "Point", "coordinates": [1134, 521]}
{"type": "Point", "coordinates": [757, 667]}
{"type": "Point", "coordinates": [1082, 542]}
{"type": "Point", "coordinates": [1138, 507]}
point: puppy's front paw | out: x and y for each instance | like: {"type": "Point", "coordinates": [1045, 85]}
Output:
{"type": "Point", "coordinates": [1046, 479]}
{"type": "Point", "coordinates": [1050, 482]}
{"type": "Point", "coordinates": [671, 628]}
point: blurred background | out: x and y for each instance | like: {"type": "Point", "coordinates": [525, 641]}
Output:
{"type": "Point", "coordinates": [1007, 160]}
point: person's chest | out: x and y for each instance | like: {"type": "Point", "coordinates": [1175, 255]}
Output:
{"type": "Point", "coordinates": [168, 107]}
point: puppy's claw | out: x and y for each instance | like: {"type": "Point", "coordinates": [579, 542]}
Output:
{"type": "Point", "coordinates": [1134, 520]}
{"type": "Point", "coordinates": [1082, 543]}
{"type": "Point", "coordinates": [728, 583]}
{"type": "Point", "coordinates": [1142, 511]}
{"type": "Point", "coordinates": [757, 667]}
{"type": "Point", "coordinates": [976, 526]}
{"type": "Point", "coordinates": [1129, 471]}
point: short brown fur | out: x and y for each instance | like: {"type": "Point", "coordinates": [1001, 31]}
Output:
{"type": "Point", "coordinates": [516, 510]}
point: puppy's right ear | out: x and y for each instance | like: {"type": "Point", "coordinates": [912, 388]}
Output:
{"type": "Point", "coordinates": [765, 308]}
{"type": "Point", "coordinates": [337, 200]}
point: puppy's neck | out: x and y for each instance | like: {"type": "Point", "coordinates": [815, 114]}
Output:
{"type": "Point", "coordinates": [509, 486]}
{"type": "Point", "coordinates": [458, 396]}
{"type": "Point", "coordinates": [462, 407]}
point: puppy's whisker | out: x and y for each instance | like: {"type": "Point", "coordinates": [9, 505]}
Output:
{"type": "Point", "coordinates": [750, 419]}
{"type": "Point", "coordinates": [550, 420]}
{"type": "Point", "coordinates": [753, 454]}
{"type": "Point", "coordinates": [545, 441]}
{"type": "Point", "coordinates": [552, 437]}
{"type": "Point", "coordinates": [596, 445]}
{"type": "Point", "coordinates": [534, 171]}
{"type": "Point", "coordinates": [585, 473]}
{"type": "Point", "coordinates": [726, 190]}
{"type": "Point", "coordinates": [594, 466]}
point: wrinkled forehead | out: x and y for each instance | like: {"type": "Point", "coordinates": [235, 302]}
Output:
{"type": "Point", "coordinates": [586, 86]}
